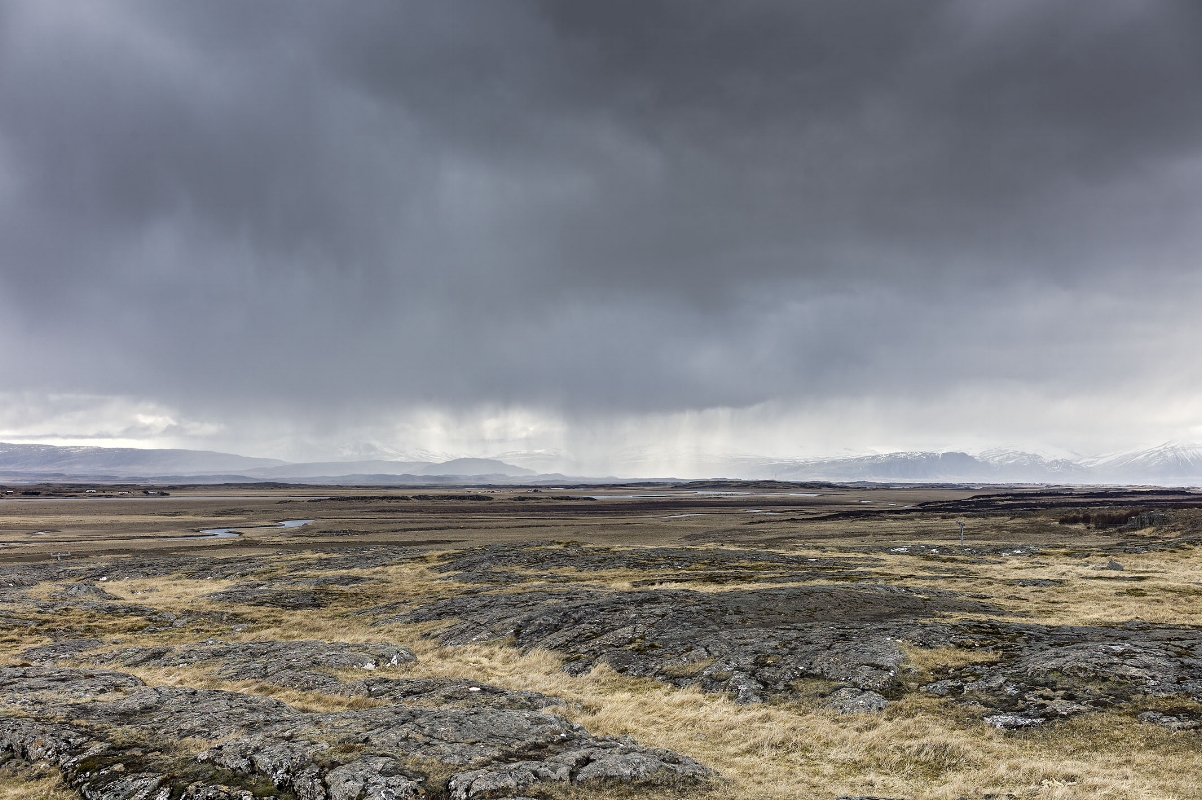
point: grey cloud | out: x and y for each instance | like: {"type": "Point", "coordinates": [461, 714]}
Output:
{"type": "Point", "coordinates": [626, 206]}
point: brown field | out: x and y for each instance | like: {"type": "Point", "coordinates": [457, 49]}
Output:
{"type": "Point", "coordinates": [1020, 563]}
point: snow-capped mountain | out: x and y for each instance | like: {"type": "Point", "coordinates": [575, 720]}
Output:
{"type": "Point", "coordinates": [1173, 464]}
{"type": "Point", "coordinates": [911, 466]}
{"type": "Point", "coordinates": [1017, 465]}
{"type": "Point", "coordinates": [1170, 462]}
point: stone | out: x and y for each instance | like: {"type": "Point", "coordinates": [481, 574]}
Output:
{"type": "Point", "coordinates": [31, 685]}
{"type": "Point", "coordinates": [371, 778]}
{"type": "Point", "coordinates": [446, 693]}
{"type": "Point", "coordinates": [850, 700]}
{"type": "Point", "coordinates": [200, 791]}
{"type": "Point", "coordinates": [612, 761]}
{"type": "Point", "coordinates": [302, 664]}
{"type": "Point", "coordinates": [1052, 672]}
{"type": "Point", "coordinates": [50, 654]}
{"type": "Point", "coordinates": [1173, 722]}
{"type": "Point", "coordinates": [1012, 721]}
{"type": "Point", "coordinates": [108, 744]}
{"type": "Point", "coordinates": [512, 563]}
{"type": "Point", "coordinates": [944, 688]}
{"type": "Point", "coordinates": [73, 590]}
{"type": "Point", "coordinates": [749, 643]}
{"type": "Point", "coordinates": [258, 593]}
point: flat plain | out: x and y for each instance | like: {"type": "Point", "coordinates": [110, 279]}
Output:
{"type": "Point", "coordinates": [709, 640]}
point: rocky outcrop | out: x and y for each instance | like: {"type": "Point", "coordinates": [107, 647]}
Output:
{"type": "Point", "coordinates": [259, 593]}
{"type": "Point", "coordinates": [35, 686]}
{"type": "Point", "coordinates": [506, 564]}
{"type": "Point", "coordinates": [115, 739]}
{"type": "Point", "coordinates": [1178, 721]}
{"type": "Point", "coordinates": [307, 665]}
{"type": "Point", "coordinates": [748, 643]}
{"type": "Point", "coordinates": [302, 664]}
{"type": "Point", "coordinates": [850, 700]}
{"type": "Point", "coordinates": [447, 693]}
{"type": "Point", "coordinates": [613, 761]}
{"type": "Point", "coordinates": [49, 654]}
{"type": "Point", "coordinates": [1043, 673]}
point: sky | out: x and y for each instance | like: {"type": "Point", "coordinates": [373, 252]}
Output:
{"type": "Point", "coordinates": [601, 237]}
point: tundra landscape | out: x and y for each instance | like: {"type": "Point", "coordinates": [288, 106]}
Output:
{"type": "Point", "coordinates": [673, 640]}
{"type": "Point", "coordinates": [631, 400]}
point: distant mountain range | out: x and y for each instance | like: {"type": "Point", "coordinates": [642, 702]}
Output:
{"type": "Point", "coordinates": [1169, 464]}
{"type": "Point", "coordinates": [458, 466]}
{"type": "Point", "coordinates": [993, 467]}
{"type": "Point", "coordinates": [1173, 463]}
{"type": "Point", "coordinates": [34, 461]}
{"type": "Point", "coordinates": [123, 461]}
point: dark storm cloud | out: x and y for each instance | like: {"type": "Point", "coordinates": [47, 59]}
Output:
{"type": "Point", "coordinates": [620, 205]}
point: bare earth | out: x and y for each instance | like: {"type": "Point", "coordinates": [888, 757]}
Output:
{"type": "Point", "coordinates": [709, 640]}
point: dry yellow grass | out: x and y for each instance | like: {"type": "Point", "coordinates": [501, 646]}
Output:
{"type": "Point", "coordinates": [922, 659]}
{"type": "Point", "coordinates": [206, 678]}
{"type": "Point", "coordinates": [920, 747]}
{"type": "Point", "coordinates": [170, 595]}
{"type": "Point", "coordinates": [1156, 587]}
{"type": "Point", "coordinates": [33, 783]}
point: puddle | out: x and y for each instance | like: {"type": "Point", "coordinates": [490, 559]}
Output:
{"type": "Point", "coordinates": [624, 496]}
{"type": "Point", "coordinates": [210, 533]}
{"type": "Point", "coordinates": [234, 533]}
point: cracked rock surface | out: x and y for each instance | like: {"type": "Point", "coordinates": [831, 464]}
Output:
{"type": "Point", "coordinates": [260, 593]}
{"type": "Point", "coordinates": [300, 664]}
{"type": "Point", "coordinates": [447, 693]}
{"type": "Point", "coordinates": [309, 666]}
{"type": "Point", "coordinates": [69, 698]}
{"type": "Point", "coordinates": [756, 643]}
{"type": "Point", "coordinates": [504, 563]}
{"type": "Point", "coordinates": [751, 643]}
{"type": "Point", "coordinates": [1044, 673]}
{"type": "Point", "coordinates": [850, 700]}
{"type": "Point", "coordinates": [114, 738]}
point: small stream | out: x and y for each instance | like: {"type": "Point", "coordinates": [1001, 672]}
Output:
{"type": "Point", "coordinates": [234, 533]}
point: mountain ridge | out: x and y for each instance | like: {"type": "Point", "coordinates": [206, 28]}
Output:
{"type": "Point", "coordinates": [84, 461]}
{"type": "Point", "coordinates": [1173, 463]}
